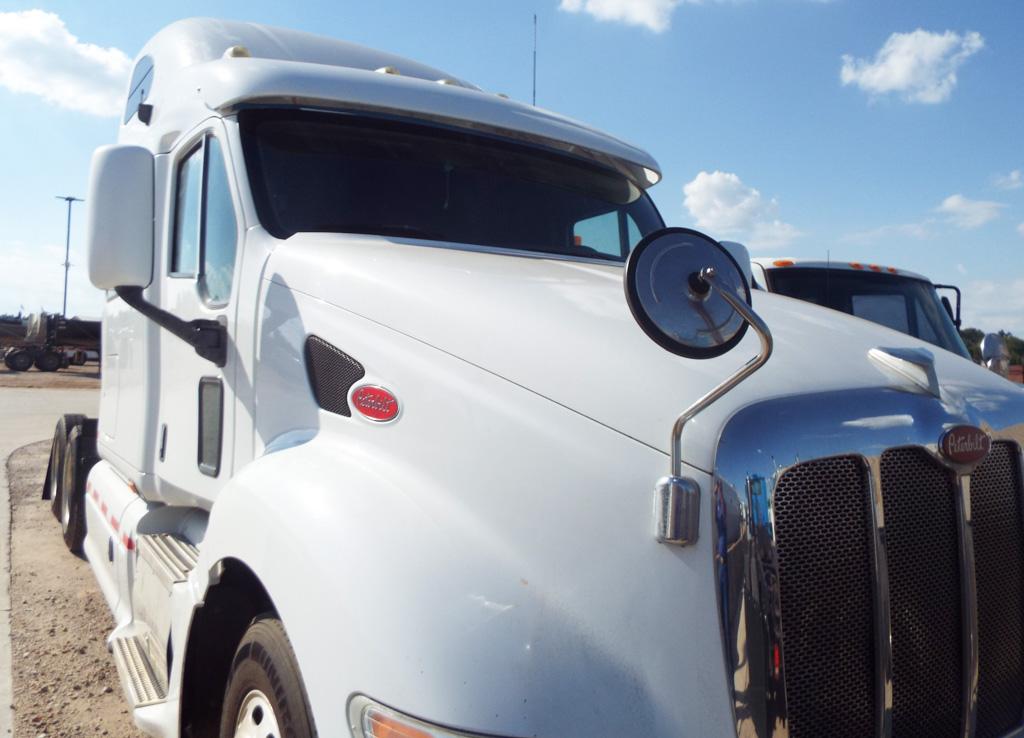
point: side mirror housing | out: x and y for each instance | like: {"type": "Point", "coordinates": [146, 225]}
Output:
{"type": "Point", "coordinates": [119, 205]}
{"type": "Point", "coordinates": [741, 255]}
{"type": "Point", "coordinates": [995, 354]}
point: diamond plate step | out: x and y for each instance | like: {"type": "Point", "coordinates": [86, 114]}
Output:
{"type": "Point", "coordinates": [171, 558]}
{"type": "Point", "coordinates": [143, 684]}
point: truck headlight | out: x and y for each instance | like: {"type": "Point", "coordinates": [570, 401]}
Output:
{"type": "Point", "coordinates": [370, 719]}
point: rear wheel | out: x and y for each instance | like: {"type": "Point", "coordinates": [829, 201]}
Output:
{"type": "Point", "coordinates": [55, 471]}
{"type": "Point", "coordinates": [49, 361]}
{"type": "Point", "coordinates": [265, 697]}
{"type": "Point", "coordinates": [72, 496]}
{"type": "Point", "coordinates": [19, 361]}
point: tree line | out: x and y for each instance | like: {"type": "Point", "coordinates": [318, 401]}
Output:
{"type": "Point", "coordinates": [972, 337]}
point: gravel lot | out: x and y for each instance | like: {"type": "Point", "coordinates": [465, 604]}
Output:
{"type": "Point", "coordinates": [65, 682]}
{"type": "Point", "coordinates": [74, 377]}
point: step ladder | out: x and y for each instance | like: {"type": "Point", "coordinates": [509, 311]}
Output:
{"type": "Point", "coordinates": [139, 659]}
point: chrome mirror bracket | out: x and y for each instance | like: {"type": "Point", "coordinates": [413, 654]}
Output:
{"type": "Point", "coordinates": [677, 510]}
{"type": "Point", "coordinates": [677, 498]}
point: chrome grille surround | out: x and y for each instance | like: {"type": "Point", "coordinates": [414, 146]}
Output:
{"type": "Point", "coordinates": [758, 445]}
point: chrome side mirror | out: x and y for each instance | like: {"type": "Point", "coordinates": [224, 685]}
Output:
{"type": "Point", "coordinates": [690, 297]}
{"type": "Point", "coordinates": [995, 355]}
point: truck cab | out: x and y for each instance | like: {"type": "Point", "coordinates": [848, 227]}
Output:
{"type": "Point", "coordinates": [896, 298]}
{"type": "Point", "coordinates": [417, 421]}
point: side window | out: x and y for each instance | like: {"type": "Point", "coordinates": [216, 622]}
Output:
{"type": "Point", "coordinates": [599, 233]}
{"type": "Point", "coordinates": [925, 330]}
{"type": "Point", "coordinates": [185, 255]}
{"type": "Point", "coordinates": [138, 90]}
{"type": "Point", "coordinates": [889, 310]}
{"type": "Point", "coordinates": [633, 231]}
{"type": "Point", "coordinates": [205, 231]}
{"type": "Point", "coordinates": [220, 233]}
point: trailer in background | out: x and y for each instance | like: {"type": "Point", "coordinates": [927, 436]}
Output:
{"type": "Point", "coordinates": [48, 341]}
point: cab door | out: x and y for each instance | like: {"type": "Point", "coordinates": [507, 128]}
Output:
{"type": "Point", "coordinates": [195, 441]}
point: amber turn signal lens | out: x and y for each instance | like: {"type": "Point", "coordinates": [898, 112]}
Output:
{"type": "Point", "coordinates": [380, 725]}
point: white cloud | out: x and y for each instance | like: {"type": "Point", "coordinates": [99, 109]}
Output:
{"type": "Point", "coordinates": [39, 56]}
{"type": "Point", "coordinates": [656, 15]}
{"type": "Point", "coordinates": [722, 204]}
{"type": "Point", "coordinates": [653, 14]}
{"type": "Point", "coordinates": [920, 65]}
{"type": "Point", "coordinates": [995, 305]}
{"type": "Point", "coordinates": [965, 213]}
{"type": "Point", "coordinates": [961, 268]}
{"type": "Point", "coordinates": [1011, 181]}
{"type": "Point", "coordinates": [1020, 229]}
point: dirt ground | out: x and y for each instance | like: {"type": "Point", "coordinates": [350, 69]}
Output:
{"type": "Point", "coordinates": [74, 377]}
{"type": "Point", "coordinates": [65, 682]}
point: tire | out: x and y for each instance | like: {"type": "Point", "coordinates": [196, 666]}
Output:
{"type": "Point", "coordinates": [79, 457]}
{"type": "Point", "coordinates": [55, 470]}
{"type": "Point", "coordinates": [19, 361]}
{"type": "Point", "coordinates": [49, 361]}
{"type": "Point", "coordinates": [265, 690]}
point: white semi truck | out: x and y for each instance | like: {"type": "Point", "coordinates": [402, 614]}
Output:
{"type": "Point", "coordinates": [896, 298]}
{"type": "Point", "coordinates": [416, 422]}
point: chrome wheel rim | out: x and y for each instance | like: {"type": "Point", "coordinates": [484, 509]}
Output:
{"type": "Point", "coordinates": [256, 718]}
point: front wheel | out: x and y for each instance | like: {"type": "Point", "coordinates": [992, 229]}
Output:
{"type": "Point", "coordinates": [265, 696]}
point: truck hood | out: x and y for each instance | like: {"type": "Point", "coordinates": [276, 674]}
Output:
{"type": "Point", "coordinates": [562, 329]}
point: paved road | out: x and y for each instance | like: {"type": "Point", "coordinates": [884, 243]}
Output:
{"type": "Point", "coordinates": [26, 415]}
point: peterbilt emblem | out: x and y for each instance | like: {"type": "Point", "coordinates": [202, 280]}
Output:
{"type": "Point", "coordinates": [964, 444]}
{"type": "Point", "coordinates": [375, 403]}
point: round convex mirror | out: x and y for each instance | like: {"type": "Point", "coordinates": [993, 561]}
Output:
{"type": "Point", "coordinates": [675, 307]}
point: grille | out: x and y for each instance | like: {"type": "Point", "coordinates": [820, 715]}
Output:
{"type": "Point", "coordinates": [332, 373]}
{"type": "Point", "coordinates": [823, 537]}
{"type": "Point", "coordinates": [999, 567]}
{"type": "Point", "coordinates": [921, 515]}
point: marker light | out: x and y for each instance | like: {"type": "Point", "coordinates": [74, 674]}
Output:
{"type": "Point", "coordinates": [369, 719]}
{"type": "Point", "coordinates": [237, 52]}
{"type": "Point", "coordinates": [783, 263]}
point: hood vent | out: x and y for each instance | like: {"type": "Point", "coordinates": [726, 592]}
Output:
{"type": "Point", "coordinates": [332, 373]}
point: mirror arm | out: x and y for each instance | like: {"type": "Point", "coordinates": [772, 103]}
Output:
{"type": "Point", "coordinates": [208, 337]}
{"type": "Point", "coordinates": [767, 343]}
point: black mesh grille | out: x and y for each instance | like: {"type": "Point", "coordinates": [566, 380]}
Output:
{"type": "Point", "coordinates": [999, 567]}
{"type": "Point", "coordinates": [823, 534]}
{"type": "Point", "coordinates": [332, 373]}
{"type": "Point", "coordinates": [921, 515]}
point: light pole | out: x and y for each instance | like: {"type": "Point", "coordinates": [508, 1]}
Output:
{"type": "Point", "coordinates": [67, 249]}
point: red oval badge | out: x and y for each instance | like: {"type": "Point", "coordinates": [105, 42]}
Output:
{"type": "Point", "coordinates": [964, 444]}
{"type": "Point", "coordinates": [375, 403]}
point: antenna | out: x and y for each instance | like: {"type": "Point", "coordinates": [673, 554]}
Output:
{"type": "Point", "coordinates": [534, 59]}
{"type": "Point", "coordinates": [67, 249]}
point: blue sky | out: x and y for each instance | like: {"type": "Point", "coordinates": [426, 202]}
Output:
{"type": "Point", "coordinates": [888, 132]}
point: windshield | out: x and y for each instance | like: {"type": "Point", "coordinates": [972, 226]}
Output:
{"type": "Point", "coordinates": [901, 303]}
{"type": "Point", "coordinates": [329, 171]}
